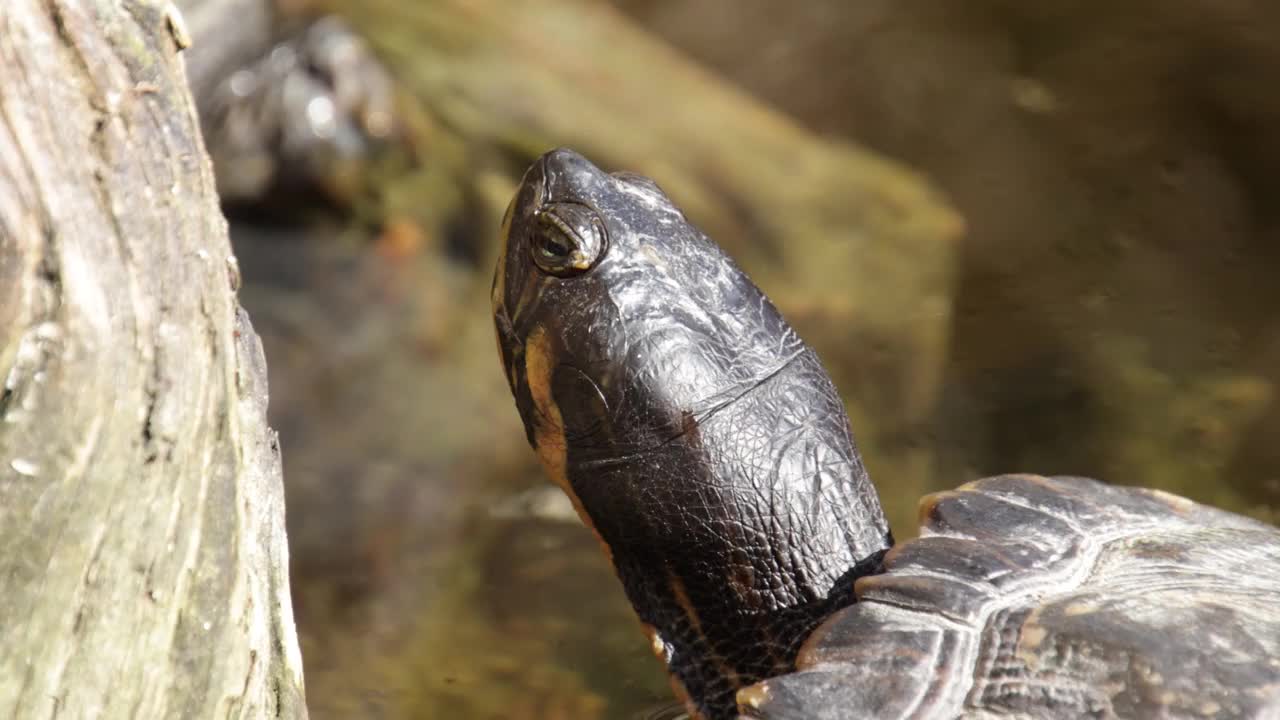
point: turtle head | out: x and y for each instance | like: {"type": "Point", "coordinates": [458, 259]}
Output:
{"type": "Point", "coordinates": [695, 432]}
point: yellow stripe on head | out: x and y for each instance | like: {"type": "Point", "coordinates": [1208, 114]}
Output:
{"type": "Point", "coordinates": [549, 428]}
{"type": "Point", "coordinates": [548, 431]}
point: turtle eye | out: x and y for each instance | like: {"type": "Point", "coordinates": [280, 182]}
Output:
{"type": "Point", "coordinates": [569, 238]}
{"type": "Point", "coordinates": [553, 246]}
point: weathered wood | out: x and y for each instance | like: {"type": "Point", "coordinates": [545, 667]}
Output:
{"type": "Point", "coordinates": [143, 563]}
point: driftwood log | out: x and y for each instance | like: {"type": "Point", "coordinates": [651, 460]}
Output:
{"type": "Point", "coordinates": [143, 563]}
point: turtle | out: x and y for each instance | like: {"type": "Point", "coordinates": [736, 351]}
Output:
{"type": "Point", "coordinates": [702, 441]}
{"type": "Point", "coordinates": [287, 102]}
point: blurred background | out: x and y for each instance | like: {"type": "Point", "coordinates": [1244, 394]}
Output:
{"type": "Point", "coordinates": [1023, 237]}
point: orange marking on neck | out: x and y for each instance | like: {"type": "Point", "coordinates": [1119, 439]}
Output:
{"type": "Point", "coordinates": [548, 432]}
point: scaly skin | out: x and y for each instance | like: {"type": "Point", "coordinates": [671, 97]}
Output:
{"type": "Point", "coordinates": [696, 433]}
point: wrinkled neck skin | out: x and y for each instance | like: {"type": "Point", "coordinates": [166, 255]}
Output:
{"type": "Point", "coordinates": [763, 516]}
{"type": "Point", "coordinates": [697, 434]}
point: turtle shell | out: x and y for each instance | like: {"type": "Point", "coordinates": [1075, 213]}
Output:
{"type": "Point", "coordinates": [1027, 596]}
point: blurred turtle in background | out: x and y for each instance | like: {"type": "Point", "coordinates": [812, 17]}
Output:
{"type": "Point", "coordinates": [703, 442]}
{"type": "Point", "coordinates": [288, 106]}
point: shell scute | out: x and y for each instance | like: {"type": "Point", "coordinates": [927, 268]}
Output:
{"type": "Point", "coordinates": [952, 598]}
{"type": "Point", "coordinates": [1015, 529]}
{"type": "Point", "coordinates": [956, 557]}
{"type": "Point", "coordinates": [1029, 596]}
{"type": "Point", "coordinates": [842, 675]}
